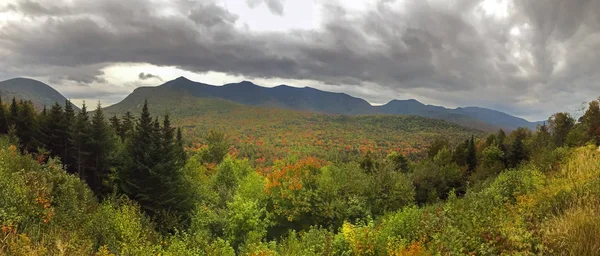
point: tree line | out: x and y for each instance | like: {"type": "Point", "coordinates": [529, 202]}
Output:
{"type": "Point", "coordinates": [140, 157]}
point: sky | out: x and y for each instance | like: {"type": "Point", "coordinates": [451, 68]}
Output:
{"type": "Point", "coordinates": [529, 58]}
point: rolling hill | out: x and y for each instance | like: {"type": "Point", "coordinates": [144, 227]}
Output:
{"type": "Point", "coordinates": [276, 132]}
{"type": "Point", "coordinates": [39, 93]}
{"type": "Point", "coordinates": [311, 99]}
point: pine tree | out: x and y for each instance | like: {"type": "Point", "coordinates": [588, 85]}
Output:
{"type": "Point", "coordinates": [460, 153]}
{"type": "Point", "coordinates": [55, 130]}
{"type": "Point", "coordinates": [25, 124]}
{"type": "Point", "coordinates": [3, 118]}
{"type": "Point", "coordinates": [13, 112]}
{"type": "Point", "coordinates": [68, 119]}
{"type": "Point", "coordinates": [115, 123]}
{"type": "Point", "coordinates": [151, 175]}
{"type": "Point", "coordinates": [127, 125]}
{"type": "Point", "coordinates": [517, 152]}
{"type": "Point", "coordinates": [471, 159]}
{"type": "Point", "coordinates": [102, 144]}
{"type": "Point", "coordinates": [81, 143]}
{"type": "Point", "coordinates": [42, 134]}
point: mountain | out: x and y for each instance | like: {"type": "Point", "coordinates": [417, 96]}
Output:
{"type": "Point", "coordinates": [482, 118]}
{"type": "Point", "coordinates": [39, 93]}
{"type": "Point", "coordinates": [311, 99]}
{"type": "Point", "coordinates": [281, 96]}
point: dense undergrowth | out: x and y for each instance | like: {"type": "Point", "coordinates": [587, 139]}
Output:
{"type": "Point", "coordinates": [528, 210]}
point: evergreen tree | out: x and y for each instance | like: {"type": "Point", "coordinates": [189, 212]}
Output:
{"type": "Point", "coordinates": [102, 144]}
{"type": "Point", "coordinates": [3, 118]}
{"type": "Point", "coordinates": [127, 125]}
{"type": "Point", "coordinates": [55, 130]}
{"type": "Point", "coordinates": [115, 123]}
{"type": "Point", "coordinates": [460, 153]}
{"type": "Point", "coordinates": [41, 136]}
{"type": "Point", "coordinates": [13, 112]}
{"type": "Point", "coordinates": [68, 120]}
{"type": "Point", "coordinates": [471, 159]}
{"type": "Point", "coordinates": [517, 152]}
{"type": "Point", "coordinates": [149, 176]}
{"type": "Point", "coordinates": [25, 125]}
{"type": "Point", "coordinates": [81, 143]}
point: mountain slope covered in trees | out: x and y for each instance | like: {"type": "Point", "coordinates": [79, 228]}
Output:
{"type": "Point", "coordinates": [310, 99]}
{"type": "Point", "coordinates": [35, 91]}
{"type": "Point", "coordinates": [266, 134]}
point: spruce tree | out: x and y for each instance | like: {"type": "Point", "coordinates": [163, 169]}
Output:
{"type": "Point", "coordinates": [13, 112]}
{"type": "Point", "coordinates": [102, 144]}
{"type": "Point", "coordinates": [471, 158]}
{"type": "Point", "coordinates": [3, 118]}
{"type": "Point", "coordinates": [151, 176]}
{"type": "Point", "coordinates": [127, 125]}
{"type": "Point", "coordinates": [68, 119]}
{"type": "Point", "coordinates": [115, 123]}
{"type": "Point", "coordinates": [81, 143]}
{"type": "Point", "coordinates": [25, 124]}
{"type": "Point", "coordinates": [56, 131]}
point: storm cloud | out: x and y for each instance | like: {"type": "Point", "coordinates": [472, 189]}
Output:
{"type": "Point", "coordinates": [529, 58]}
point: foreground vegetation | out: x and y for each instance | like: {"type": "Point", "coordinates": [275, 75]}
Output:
{"type": "Point", "coordinates": [522, 193]}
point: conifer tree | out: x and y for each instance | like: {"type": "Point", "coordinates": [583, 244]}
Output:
{"type": "Point", "coordinates": [25, 125]}
{"type": "Point", "coordinates": [115, 123]}
{"type": "Point", "coordinates": [80, 143]}
{"type": "Point", "coordinates": [471, 159]}
{"type": "Point", "coordinates": [68, 120]}
{"type": "Point", "coordinates": [55, 130]}
{"type": "Point", "coordinates": [13, 111]}
{"type": "Point", "coordinates": [150, 175]}
{"type": "Point", "coordinates": [3, 118]}
{"type": "Point", "coordinates": [102, 144]}
{"type": "Point", "coordinates": [127, 125]}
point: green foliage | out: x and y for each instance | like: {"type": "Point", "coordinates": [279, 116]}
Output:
{"type": "Point", "coordinates": [560, 124]}
{"type": "Point", "coordinates": [435, 179]}
{"type": "Point", "coordinates": [217, 147]}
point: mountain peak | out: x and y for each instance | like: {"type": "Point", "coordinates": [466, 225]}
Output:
{"type": "Point", "coordinates": [182, 79]}
{"type": "Point", "coordinates": [410, 101]}
{"type": "Point", "coordinates": [246, 82]}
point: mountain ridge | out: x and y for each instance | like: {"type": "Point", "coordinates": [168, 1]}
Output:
{"type": "Point", "coordinates": [290, 97]}
{"type": "Point", "coordinates": [316, 100]}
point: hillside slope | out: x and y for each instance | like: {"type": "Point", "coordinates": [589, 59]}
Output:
{"type": "Point", "coordinates": [310, 99]}
{"type": "Point", "coordinates": [39, 93]}
{"type": "Point", "coordinates": [278, 132]}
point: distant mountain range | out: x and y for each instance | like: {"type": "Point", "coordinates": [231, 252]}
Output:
{"type": "Point", "coordinates": [287, 97]}
{"type": "Point", "coordinates": [311, 99]}
{"type": "Point", "coordinates": [39, 93]}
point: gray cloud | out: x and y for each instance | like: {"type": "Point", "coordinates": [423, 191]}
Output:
{"type": "Point", "coordinates": [447, 53]}
{"type": "Point", "coordinates": [275, 6]}
{"type": "Point", "coordinates": [145, 76]}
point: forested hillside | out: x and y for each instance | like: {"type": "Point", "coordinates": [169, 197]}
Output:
{"type": "Point", "coordinates": [79, 183]}
{"type": "Point", "coordinates": [265, 134]}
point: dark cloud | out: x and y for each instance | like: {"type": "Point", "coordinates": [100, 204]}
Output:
{"type": "Point", "coordinates": [454, 54]}
{"type": "Point", "coordinates": [145, 76]}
